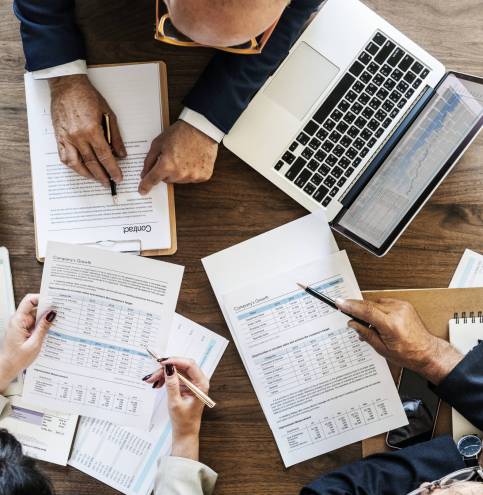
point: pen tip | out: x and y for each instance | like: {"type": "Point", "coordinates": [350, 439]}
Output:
{"type": "Point", "coordinates": [302, 286]}
{"type": "Point", "coordinates": [114, 200]}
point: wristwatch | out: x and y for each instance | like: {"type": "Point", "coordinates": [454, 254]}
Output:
{"type": "Point", "coordinates": [470, 447]}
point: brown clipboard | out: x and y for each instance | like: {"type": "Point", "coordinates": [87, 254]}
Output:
{"type": "Point", "coordinates": [163, 84]}
{"type": "Point", "coordinates": [436, 307]}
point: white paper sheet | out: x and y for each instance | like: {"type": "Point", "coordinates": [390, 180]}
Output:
{"type": "Point", "coordinates": [7, 309]}
{"type": "Point", "coordinates": [110, 307]}
{"type": "Point", "coordinates": [319, 386]}
{"type": "Point", "coordinates": [469, 272]}
{"type": "Point", "coordinates": [303, 240]}
{"type": "Point", "coordinates": [126, 458]}
{"type": "Point", "coordinates": [44, 435]}
{"type": "Point", "coordinates": [70, 208]}
{"type": "Point", "coordinates": [464, 335]}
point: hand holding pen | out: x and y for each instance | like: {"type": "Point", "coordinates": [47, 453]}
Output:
{"type": "Point", "coordinates": [185, 408]}
{"type": "Point", "coordinates": [195, 381]}
{"type": "Point", "coordinates": [106, 125]}
{"type": "Point", "coordinates": [337, 304]}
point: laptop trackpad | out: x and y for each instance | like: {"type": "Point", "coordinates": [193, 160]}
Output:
{"type": "Point", "coordinates": [301, 80]}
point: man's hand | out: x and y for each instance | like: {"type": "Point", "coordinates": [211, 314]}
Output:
{"type": "Point", "coordinates": [399, 335]}
{"type": "Point", "coordinates": [77, 112]}
{"type": "Point", "coordinates": [181, 154]}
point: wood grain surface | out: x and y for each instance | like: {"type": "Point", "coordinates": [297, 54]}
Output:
{"type": "Point", "coordinates": [236, 205]}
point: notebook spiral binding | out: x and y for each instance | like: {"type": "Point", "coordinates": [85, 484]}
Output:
{"type": "Point", "coordinates": [471, 317]}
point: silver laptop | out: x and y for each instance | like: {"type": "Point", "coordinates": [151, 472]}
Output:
{"type": "Point", "coordinates": [360, 121]}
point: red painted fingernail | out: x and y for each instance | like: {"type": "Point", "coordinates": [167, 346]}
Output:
{"type": "Point", "coordinates": [51, 316]}
{"type": "Point", "coordinates": [147, 377]}
{"type": "Point", "coordinates": [160, 360]}
{"type": "Point", "coordinates": [169, 369]}
{"type": "Point", "coordinates": [155, 384]}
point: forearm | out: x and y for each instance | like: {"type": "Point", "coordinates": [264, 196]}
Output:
{"type": "Point", "coordinates": [186, 447]}
{"type": "Point", "coordinates": [8, 372]}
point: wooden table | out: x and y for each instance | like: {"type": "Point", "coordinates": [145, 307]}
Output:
{"type": "Point", "coordinates": [236, 205]}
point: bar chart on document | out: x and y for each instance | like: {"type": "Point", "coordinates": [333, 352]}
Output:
{"type": "Point", "coordinates": [319, 385]}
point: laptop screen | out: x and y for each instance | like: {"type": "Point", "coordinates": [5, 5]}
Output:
{"type": "Point", "coordinates": [415, 165]}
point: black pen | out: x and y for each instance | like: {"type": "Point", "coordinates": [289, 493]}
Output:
{"type": "Point", "coordinates": [106, 124]}
{"type": "Point", "coordinates": [330, 302]}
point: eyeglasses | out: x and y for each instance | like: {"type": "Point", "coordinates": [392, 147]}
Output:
{"type": "Point", "coordinates": [451, 480]}
{"type": "Point", "coordinates": [167, 33]}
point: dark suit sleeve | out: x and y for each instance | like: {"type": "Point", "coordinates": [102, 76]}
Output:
{"type": "Point", "coordinates": [391, 473]}
{"type": "Point", "coordinates": [405, 470]}
{"type": "Point", "coordinates": [49, 32]}
{"type": "Point", "coordinates": [229, 81]}
{"type": "Point", "coordinates": [463, 387]}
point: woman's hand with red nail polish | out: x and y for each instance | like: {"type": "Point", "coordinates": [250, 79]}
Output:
{"type": "Point", "coordinates": [185, 409]}
{"type": "Point", "coordinates": [23, 339]}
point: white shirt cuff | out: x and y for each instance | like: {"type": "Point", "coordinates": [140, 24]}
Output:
{"type": "Point", "coordinates": [68, 69]}
{"type": "Point", "coordinates": [202, 124]}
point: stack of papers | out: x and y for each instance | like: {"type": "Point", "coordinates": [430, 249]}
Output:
{"type": "Point", "coordinates": [110, 308]}
{"type": "Point", "coordinates": [126, 458]}
{"type": "Point", "coordinates": [319, 386]}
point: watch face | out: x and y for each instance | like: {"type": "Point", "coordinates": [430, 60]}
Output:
{"type": "Point", "coordinates": [469, 446]}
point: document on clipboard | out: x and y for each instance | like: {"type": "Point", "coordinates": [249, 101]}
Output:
{"type": "Point", "coordinates": [71, 208]}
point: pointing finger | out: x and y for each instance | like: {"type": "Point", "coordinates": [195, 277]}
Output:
{"type": "Point", "coordinates": [156, 175]}
{"type": "Point", "coordinates": [365, 310]}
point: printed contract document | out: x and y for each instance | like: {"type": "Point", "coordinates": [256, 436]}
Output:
{"type": "Point", "coordinates": [71, 208]}
{"type": "Point", "coordinates": [320, 387]}
{"type": "Point", "coordinates": [110, 307]}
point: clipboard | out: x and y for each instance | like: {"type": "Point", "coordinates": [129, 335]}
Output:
{"type": "Point", "coordinates": [117, 245]}
{"type": "Point", "coordinates": [436, 307]}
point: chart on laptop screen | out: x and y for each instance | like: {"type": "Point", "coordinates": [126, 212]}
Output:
{"type": "Point", "coordinates": [414, 162]}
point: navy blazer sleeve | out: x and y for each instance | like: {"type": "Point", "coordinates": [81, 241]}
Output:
{"type": "Point", "coordinates": [229, 81]}
{"type": "Point", "coordinates": [402, 471]}
{"type": "Point", "coordinates": [49, 32]}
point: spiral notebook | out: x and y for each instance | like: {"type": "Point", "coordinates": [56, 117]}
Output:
{"type": "Point", "coordinates": [465, 332]}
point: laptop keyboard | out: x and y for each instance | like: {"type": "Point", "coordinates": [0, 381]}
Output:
{"type": "Point", "coordinates": [353, 117]}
